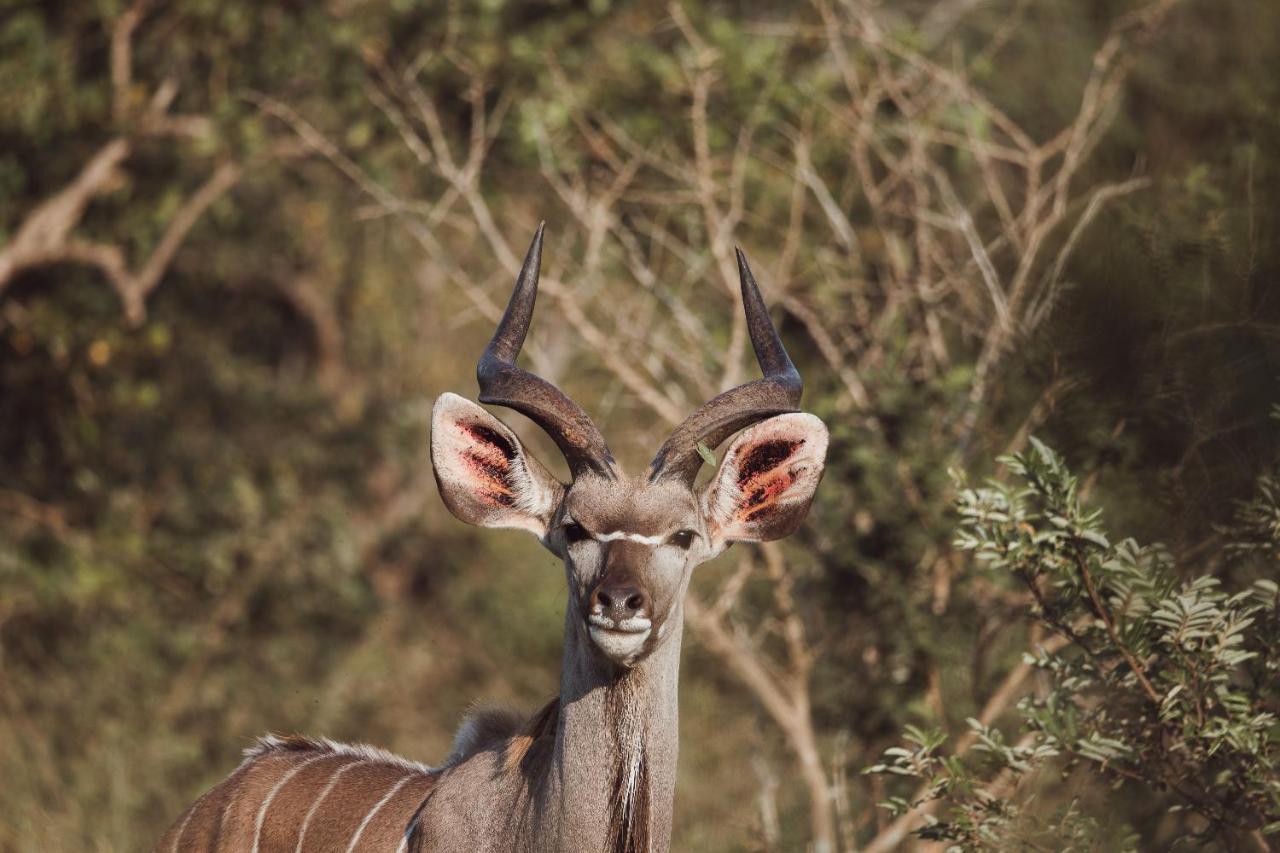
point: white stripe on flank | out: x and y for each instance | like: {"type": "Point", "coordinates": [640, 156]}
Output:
{"type": "Point", "coordinates": [275, 789]}
{"type": "Point", "coordinates": [404, 844]}
{"type": "Point", "coordinates": [633, 537]}
{"type": "Point", "coordinates": [177, 839]}
{"type": "Point", "coordinates": [382, 802]}
{"type": "Point", "coordinates": [191, 812]}
{"type": "Point", "coordinates": [333, 780]}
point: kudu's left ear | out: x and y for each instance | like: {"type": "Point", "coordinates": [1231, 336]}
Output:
{"type": "Point", "coordinates": [485, 477]}
{"type": "Point", "coordinates": [766, 480]}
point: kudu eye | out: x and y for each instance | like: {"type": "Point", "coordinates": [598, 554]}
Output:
{"type": "Point", "coordinates": [575, 532]}
{"type": "Point", "coordinates": [681, 539]}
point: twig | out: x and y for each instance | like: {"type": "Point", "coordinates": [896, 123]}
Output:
{"type": "Point", "coordinates": [1105, 615]}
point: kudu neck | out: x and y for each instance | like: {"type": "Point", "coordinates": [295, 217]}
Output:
{"type": "Point", "coordinates": [616, 744]}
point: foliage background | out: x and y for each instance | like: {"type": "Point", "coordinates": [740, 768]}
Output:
{"type": "Point", "coordinates": [244, 246]}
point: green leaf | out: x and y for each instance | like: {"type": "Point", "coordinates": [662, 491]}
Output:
{"type": "Point", "coordinates": [1096, 538]}
{"type": "Point", "coordinates": [707, 454]}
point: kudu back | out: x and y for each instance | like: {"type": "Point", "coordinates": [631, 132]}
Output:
{"type": "Point", "coordinates": [595, 769]}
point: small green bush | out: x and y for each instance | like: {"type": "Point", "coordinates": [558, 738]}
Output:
{"type": "Point", "coordinates": [1163, 681]}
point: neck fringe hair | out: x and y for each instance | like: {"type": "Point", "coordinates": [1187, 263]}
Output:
{"type": "Point", "coordinates": [629, 828]}
{"type": "Point", "coordinates": [629, 818]}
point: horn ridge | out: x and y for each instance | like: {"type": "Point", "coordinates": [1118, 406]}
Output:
{"type": "Point", "coordinates": [502, 383]}
{"type": "Point", "coordinates": [770, 353]}
{"type": "Point", "coordinates": [508, 338]}
{"type": "Point", "coordinates": [777, 393]}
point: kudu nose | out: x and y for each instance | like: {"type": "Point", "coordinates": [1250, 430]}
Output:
{"type": "Point", "coordinates": [619, 602]}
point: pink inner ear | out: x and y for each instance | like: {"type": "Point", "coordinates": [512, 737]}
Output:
{"type": "Point", "coordinates": [489, 460]}
{"type": "Point", "coordinates": [763, 477]}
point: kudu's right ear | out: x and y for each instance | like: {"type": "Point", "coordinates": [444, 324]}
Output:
{"type": "Point", "coordinates": [485, 477]}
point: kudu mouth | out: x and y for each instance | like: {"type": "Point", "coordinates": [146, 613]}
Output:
{"type": "Point", "coordinates": [622, 641]}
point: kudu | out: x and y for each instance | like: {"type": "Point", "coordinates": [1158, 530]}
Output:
{"type": "Point", "coordinates": [594, 770]}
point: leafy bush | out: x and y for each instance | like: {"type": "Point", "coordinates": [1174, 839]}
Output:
{"type": "Point", "coordinates": [1157, 680]}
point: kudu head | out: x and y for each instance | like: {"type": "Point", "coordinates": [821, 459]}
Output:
{"type": "Point", "coordinates": [629, 543]}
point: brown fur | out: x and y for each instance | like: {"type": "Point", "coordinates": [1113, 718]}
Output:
{"type": "Point", "coordinates": [328, 789]}
{"type": "Point", "coordinates": [294, 773]}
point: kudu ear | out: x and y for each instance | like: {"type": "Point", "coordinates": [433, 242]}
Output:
{"type": "Point", "coordinates": [766, 480]}
{"type": "Point", "coordinates": [485, 477]}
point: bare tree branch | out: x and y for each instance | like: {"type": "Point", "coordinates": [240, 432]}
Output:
{"type": "Point", "coordinates": [46, 235]}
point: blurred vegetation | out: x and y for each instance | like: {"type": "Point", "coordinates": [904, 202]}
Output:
{"type": "Point", "coordinates": [244, 246]}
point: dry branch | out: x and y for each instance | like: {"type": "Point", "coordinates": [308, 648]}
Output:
{"type": "Point", "coordinates": [47, 234]}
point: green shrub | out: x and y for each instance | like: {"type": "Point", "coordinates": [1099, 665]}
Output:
{"type": "Point", "coordinates": [1159, 680]}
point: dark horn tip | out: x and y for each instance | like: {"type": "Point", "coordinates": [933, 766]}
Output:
{"type": "Point", "coordinates": [746, 279]}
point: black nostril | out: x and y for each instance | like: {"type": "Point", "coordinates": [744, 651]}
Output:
{"type": "Point", "coordinates": [618, 602]}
